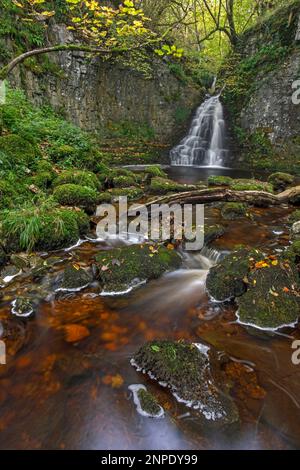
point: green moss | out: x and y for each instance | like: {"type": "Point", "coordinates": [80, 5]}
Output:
{"type": "Point", "coordinates": [155, 170]}
{"type": "Point", "coordinates": [41, 228]}
{"type": "Point", "coordinates": [294, 217]}
{"type": "Point", "coordinates": [227, 279]}
{"type": "Point", "coordinates": [42, 180]}
{"type": "Point", "coordinates": [131, 193]}
{"type": "Point", "coordinates": [163, 186]}
{"type": "Point", "coordinates": [148, 402]}
{"type": "Point", "coordinates": [120, 268]}
{"type": "Point", "coordinates": [233, 210]}
{"type": "Point", "coordinates": [19, 150]}
{"type": "Point", "coordinates": [292, 254]}
{"type": "Point", "coordinates": [250, 185]}
{"type": "Point", "coordinates": [75, 195]}
{"type": "Point", "coordinates": [104, 198]}
{"type": "Point", "coordinates": [193, 374]}
{"type": "Point", "coordinates": [280, 181]}
{"type": "Point", "coordinates": [123, 181]}
{"type": "Point", "coordinates": [219, 181]}
{"type": "Point", "coordinates": [270, 301]}
{"type": "Point", "coordinates": [78, 177]}
{"type": "Point", "coordinates": [74, 278]}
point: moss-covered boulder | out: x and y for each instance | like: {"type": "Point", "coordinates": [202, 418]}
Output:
{"type": "Point", "coordinates": [42, 180]}
{"type": "Point", "coordinates": [104, 198]}
{"type": "Point", "coordinates": [280, 181]}
{"type": "Point", "coordinates": [271, 301]}
{"type": "Point", "coordinates": [160, 185]}
{"type": "Point", "coordinates": [155, 170]}
{"type": "Point", "coordinates": [228, 279]}
{"type": "Point", "coordinates": [75, 278]}
{"type": "Point", "coordinates": [123, 181]}
{"type": "Point", "coordinates": [293, 253]}
{"type": "Point", "coordinates": [294, 217]}
{"type": "Point", "coordinates": [219, 181]}
{"type": "Point", "coordinates": [233, 210]}
{"type": "Point", "coordinates": [194, 375]}
{"type": "Point", "coordinates": [7, 194]}
{"type": "Point", "coordinates": [34, 229]}
{"type": "Point", "coordinates": [20, 151]}
{"type": "Point", "coordinates": [131, 193]}
{"type": "Point", "coordinates": [213, 232]}
{"type": "Point", "coordinates": [78, 177]}
{"type": "Point", "coordinates": [250, 185]}
{"type": "Point", "coordinates": [121, 268]}
{"type": "Point", "coordinates": [83, 197]}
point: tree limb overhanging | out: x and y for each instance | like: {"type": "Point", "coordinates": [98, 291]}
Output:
{"type": "Point", "coordinates": [228, 195]}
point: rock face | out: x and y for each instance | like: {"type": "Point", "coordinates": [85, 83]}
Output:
{"type": "Point", "coordinates": [193, 373]}
{"type": "Point", "coordinates": [96, 95]}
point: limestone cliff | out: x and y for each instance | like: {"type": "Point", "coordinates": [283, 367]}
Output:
{"type": "Point", "coordinates": [266, 122]}
{"type": "Point", "coordinates": [97, 95]}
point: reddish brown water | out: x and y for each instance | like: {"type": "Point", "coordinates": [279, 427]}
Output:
{"type": "Point", "coordinates": [57, 394]}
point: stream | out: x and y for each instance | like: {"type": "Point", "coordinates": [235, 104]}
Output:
{"type": "Point", "coordinates": [55, 394]}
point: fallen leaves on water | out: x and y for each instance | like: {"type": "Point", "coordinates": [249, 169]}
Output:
{"type": "Point", "coordinates": [115, 381]}
{"type": "Point", "coordinates": [74, 333]}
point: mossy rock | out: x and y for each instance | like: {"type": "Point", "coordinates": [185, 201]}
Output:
{"type": "Point", "coordinates": [294, 217]}
{"type": "Point", "coordinates": [131, 193]}
{"type": "Point", "coordinates": [194, 375]}
{"type": "Point", "coordinates": [160, 185]}
{"type": "Point", "coordinates": [148, 403]}
{"type": "Point", "coordinates": [83, 197]}
{"type": "Point", "coordinates": [219, 181]}
{"type": "Point", "coordinates": [44, 166]}
{"type": "Point", "coordinates": [104, 198]}
{"type": "Point", "coordinates": [7, 194]}
{"type": "Point", "coordinates": [250, 185]}
{"type": "Point", "coordinates": [227, 279]}
{"type": "Point", "coordinates": [20, 151]}
{"type": "Point", "coordinates": [280, 181]}
{"type": "Point", "coordinates": [54, 228]}
{"type": "Point", "coordinates": [23, 307]}
{"type": "Point", "coordinates": [123, 181]}
{"type": "Point", "coordinates": [75, 278]}
{"type": "Point", "coordinates": [212, 233]}
{"type": "Point", "coordinates": [270, 301]}
{"type": "Point", "coordinates": [233, 210]}
{"type": "Point", "coordinates": [121, 268]}
{"type": "Point", "coordinates": [155, 170]}
{"type": "Point", "coordinates": [78, 177]}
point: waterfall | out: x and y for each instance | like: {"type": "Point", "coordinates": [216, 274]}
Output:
{"type": "Point", "coordinates": [205, 143]}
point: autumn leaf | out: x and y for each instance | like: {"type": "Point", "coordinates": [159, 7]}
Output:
{"type": "Point", "coordinates": [75, 333]}
{"type": "Point", "coordinates": [115, 381]}
{"type": "Point", "coordinates": [104, 268]}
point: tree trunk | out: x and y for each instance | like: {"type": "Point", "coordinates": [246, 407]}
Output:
{"type": "Point", "coordinates": [227, 195]}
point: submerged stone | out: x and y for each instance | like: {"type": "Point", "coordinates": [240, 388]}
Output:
{"type": "Point", "coordinates": [120, 269]}
{"type": "Point", "coordinates": [271, 299]}
{"type": "Point", "coordinates": [228, 279]}
{"type": "Point", "coordinates": [213, 232]}
{"type": "Point", "coordinates": [75, 278]}
{"type": "Point", "coordinates": [233, 210]}
{"type": "Point", "coordinates": [193, 373]}
{"type": "Point", "coordinates": [22, 307]}
{"type": "Point", "coordinates": [146, 403]}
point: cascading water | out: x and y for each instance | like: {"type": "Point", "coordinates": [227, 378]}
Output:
{"type": "Point", "coordinates": [205, 143]}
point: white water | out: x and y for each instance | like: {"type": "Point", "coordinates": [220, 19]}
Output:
{"type": "Point", "coordinates": [205, 143]}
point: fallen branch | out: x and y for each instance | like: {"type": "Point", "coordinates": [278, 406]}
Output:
{"type": "Point", "coordinates": [227, 195]}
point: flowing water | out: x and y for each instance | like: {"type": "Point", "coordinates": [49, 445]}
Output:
{"type": "Point", "coordinates": [204, 144]}
{"type": "Point", "coordinates": [55, 394]}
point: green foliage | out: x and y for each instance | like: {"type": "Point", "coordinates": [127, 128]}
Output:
{"type": "Point", "coordinates": [18, 151]}
{"type": "Point", "coordinates": [123, 181]}
{"type": "Point", "coordinates": [219, 180]}
{"type": "Point", "coordinates": [42, 227]}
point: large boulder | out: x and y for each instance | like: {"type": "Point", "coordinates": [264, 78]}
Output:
{"type": "Point", "coordinates": [193, 373]}
{"type": "Point", "coordinates": [121, 268]}
{"type": "Point", "coordinates": [75, 278]}
{"type": "Point", "coordinates": [228, 279]}
{"type": "Point", "coordinates": [233, 210]}
{"type": "Point", "coordinates": [280, 181]}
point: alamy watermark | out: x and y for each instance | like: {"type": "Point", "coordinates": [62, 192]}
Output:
{"type": "Point", "coordinates": [2, 92]}
{"type": "Point", "coordinates": [296, 353]}
{"type": "Point", "coordinates": [154, 222]}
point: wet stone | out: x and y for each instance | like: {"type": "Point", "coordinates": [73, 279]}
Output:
{"type": "Point", "coordinates": [22, 307]}
{"type": "Point", "coordinates": [75, 278]}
